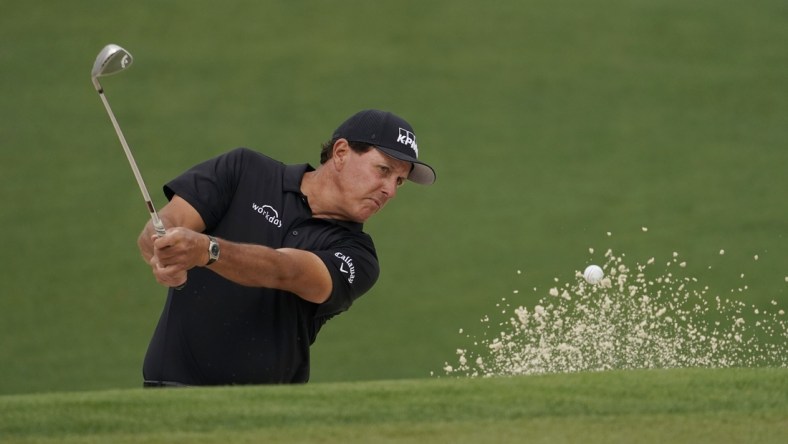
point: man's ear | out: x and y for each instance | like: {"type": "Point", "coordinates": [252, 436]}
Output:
{"type": "Point", "coordinates": [341, 151]}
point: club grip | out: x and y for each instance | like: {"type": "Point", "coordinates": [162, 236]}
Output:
{"type": "Point", "coordinates": [159, 227]}
{"type": "Point", "coordinates": [160, 231]}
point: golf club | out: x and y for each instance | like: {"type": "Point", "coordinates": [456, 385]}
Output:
{"type": "Point", "coordinates": [111, 60]}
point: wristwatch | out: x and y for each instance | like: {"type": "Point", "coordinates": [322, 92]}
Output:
{"type": "Point", "coordinates": [213, 250]}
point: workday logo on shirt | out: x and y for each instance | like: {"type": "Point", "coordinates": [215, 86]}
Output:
{"type": "Point", "coordinates": [269, 213]}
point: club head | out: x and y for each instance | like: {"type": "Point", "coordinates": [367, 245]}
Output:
{"type": "Point", "coordinates": [110, 60]}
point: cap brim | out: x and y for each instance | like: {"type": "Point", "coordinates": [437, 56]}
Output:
{"type": "Point", "coordinates": [421, 173]}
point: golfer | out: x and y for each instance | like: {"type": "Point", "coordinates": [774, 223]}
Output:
{"type": "Point", "coordinates": [258, 255]}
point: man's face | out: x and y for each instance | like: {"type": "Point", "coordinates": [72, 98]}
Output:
{"type": "Point", "coordinates": [369, 180]}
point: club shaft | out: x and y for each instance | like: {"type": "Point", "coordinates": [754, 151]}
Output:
{"type": "Point", "coordinates": [157, 224]}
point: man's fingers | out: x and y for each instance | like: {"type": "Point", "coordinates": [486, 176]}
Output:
{"type": "Point", "coordinates": [169, 276]}
{"type": "Point", "coordinates": [179, 248]}
{"type": "Point", "coordinates": [171, 249]}
{"type": "Point", "coordinates": [164, 242]}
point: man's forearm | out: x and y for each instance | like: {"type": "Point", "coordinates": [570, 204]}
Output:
{"type": "Point", "coordinates": [297, 271]}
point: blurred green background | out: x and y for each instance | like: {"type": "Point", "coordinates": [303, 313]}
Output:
{"type": "Point", "coordinates": [550, 123]}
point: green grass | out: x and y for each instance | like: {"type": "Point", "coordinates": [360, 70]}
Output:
{"type": "Point", "coordinates": [550, 123]}
{"type": "Point", "coordinates": [720, 406]}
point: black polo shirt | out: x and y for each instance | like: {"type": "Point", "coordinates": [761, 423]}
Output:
{"type": "Point", "coordinates": [216, 332]}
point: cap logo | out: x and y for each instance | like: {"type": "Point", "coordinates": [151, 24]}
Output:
{"type": "Point", "coordinates": [408, 138]}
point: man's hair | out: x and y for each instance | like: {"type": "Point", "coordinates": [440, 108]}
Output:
{"type": "Point", "coordinates": [328, 149]}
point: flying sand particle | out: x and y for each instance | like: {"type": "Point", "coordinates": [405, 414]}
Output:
{"type": "Point", "coordinates": [635, 321]}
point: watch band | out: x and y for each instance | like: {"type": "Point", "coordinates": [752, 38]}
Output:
{"type": "Point", "coordinates": [213, 250]}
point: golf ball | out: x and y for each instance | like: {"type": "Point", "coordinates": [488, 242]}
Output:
{"type": "Point", "coordinates": [593, 274]}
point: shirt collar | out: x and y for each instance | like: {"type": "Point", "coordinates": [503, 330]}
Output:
{"type": "Point", "coordinates": [293, 176]}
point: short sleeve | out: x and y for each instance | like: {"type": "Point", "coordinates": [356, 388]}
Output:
{"type": "Point", "coordinates": [354, 269]}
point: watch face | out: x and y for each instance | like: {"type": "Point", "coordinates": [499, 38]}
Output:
{"type": "Point", "coordinates": [213, 250]}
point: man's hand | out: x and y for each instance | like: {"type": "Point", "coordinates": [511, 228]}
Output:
{"type": "Point", "coordinates": [170, 264]}
{"type": "Point", "coordinates": [177, 252]}
{"type": "Point", "coordinates": [168, 276]}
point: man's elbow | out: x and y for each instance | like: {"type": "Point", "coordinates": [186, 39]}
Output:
{"type": "Point", "coordinates": [315, 289]}
{"type": "Point", "coordinates": [316, 298]}
{"type": "Point", "coordinates": [305, 275]}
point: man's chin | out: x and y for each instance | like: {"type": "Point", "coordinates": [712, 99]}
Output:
{"type": "Point", "coordinates": [365, 214]}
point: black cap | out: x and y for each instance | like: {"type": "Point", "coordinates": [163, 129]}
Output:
{"type": "Point", "coordinates": [390, 134]}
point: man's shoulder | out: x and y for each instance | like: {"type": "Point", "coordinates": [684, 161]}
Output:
{"type": "Point", "coordinates": [353, 234]}
{"type": "Point", "coordinates": [249, 155]}
{"type": "Point", "coordinates": [251, 165]}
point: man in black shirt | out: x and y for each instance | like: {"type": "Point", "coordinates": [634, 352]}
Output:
{"type": "Point", "coordinates": [262, 254]}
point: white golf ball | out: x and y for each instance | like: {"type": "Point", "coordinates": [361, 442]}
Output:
{"type": "Point", "coordinates": [593, 274]}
